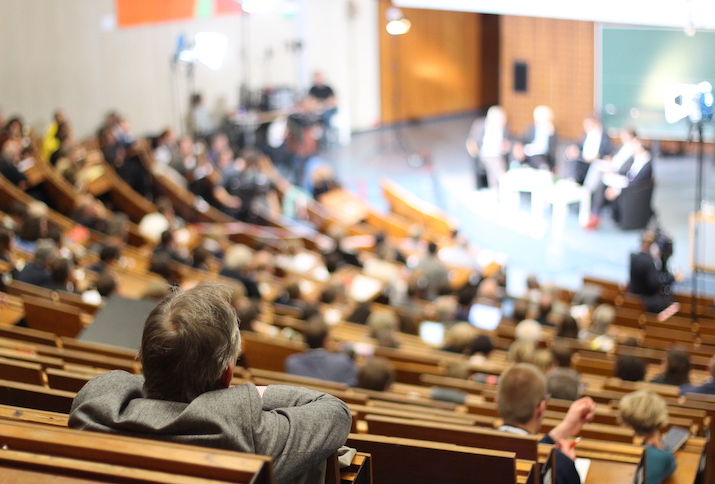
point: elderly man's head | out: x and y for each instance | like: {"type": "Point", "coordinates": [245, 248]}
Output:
{"type": "Point", "coordinates": [190, 344]}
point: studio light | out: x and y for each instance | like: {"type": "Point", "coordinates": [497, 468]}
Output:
{"type": "Point", "coordinates": [397, 24]}
{"type": "Point", "coordinates": [208, 48]}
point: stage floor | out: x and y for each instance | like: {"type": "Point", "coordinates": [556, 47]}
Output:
{"type": "Point", "coordinates": [447, 180]}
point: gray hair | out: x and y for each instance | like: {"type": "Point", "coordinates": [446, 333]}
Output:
{"type": "Point", "coordinates": [189, 340]}
{"type": "Point", "coordinates": [44, 251]}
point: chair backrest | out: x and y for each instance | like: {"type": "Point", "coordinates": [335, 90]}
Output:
{"type": "Point", "coordinates": [55, 317]}
{"type": "Point", "coordinates": [421, 462]}
{"type": "Point", "coordinates": [634, 205]}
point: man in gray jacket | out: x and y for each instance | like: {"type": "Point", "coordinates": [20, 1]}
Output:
{"type": "Point", "coordinates": [188, 351]}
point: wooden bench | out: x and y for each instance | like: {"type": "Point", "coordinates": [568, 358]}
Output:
{"type": "Point", "coordinates": [73, 448]}
{"type": "Point", "coordinates": [421, 462]}
{"type": "Point", "coordinates": [35, 396]}
{"type": "Point", "coordinates": [58, 318]}
{"type": "Point", "coordinates": [525, 446]}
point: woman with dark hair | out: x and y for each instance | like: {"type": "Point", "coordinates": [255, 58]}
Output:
{"type": "Point", "coordinates": [630, 368]}
{"type": "Point", "coordinates": [676, 368]}
{"type": "Point", "coordinates": [31, 230]}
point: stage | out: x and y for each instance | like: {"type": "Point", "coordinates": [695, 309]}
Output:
{"type": "Point", "coordinates": [532, 244]}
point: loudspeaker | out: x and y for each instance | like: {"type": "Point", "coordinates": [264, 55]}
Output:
{"type": "Point", "coordinates": [520, 76]}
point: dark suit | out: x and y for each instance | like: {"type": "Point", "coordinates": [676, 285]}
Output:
{"type": "Point", "coordinates": [579, 167]}
{"type": "Point", "coordinates": [538, 161]}
{"type": "Point", "coordinates": [33, 274]}
{"type": "Point", "coordinates": [650, 283]}
{"type": "Point", "coordinates": [643, 175]}
{"type": "Point", "coordinates": [322, 364]}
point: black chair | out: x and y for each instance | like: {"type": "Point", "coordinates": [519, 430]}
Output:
{"type": "Point", "coordinates": [632, 209]}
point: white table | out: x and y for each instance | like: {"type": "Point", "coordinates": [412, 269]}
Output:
{"type": "Point", "coordinates": [560, 195]}
{"type": "Point", "coordinates": [520, 180]}
{"type": "Point", "coordinates": [544, 190]}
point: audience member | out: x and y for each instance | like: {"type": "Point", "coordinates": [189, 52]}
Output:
{"type": "Point", "coordinates": [61, 278]}
{"type": "Point", "coordinates": [521, 351]}
{"type": "Point", "coordinates": [376, 374]}
{"type": "Point", "coordinates": [384, 326]}
{"type": "Point", "coordinates": [676, 368]}
{"type": "Point", "coordinates": [630, 368]}
{"type": "Point", "coordinates": [433, 271]}
{"type": "Point", "coordinates": [459, 338]}
{"type": "Point", "coordinates": [543, 359]}
{"type": "Point", "coordinates": [320, 361]}
{"type": "Point", "coordinates": [707, 388]}
{"type": "Point", "coordinates": [188, 352]}
{"type": "Point", "coordinates": [564, 384]}
{"type": "Point", "coordinates": [562, 355]}
{"type": "Point", "coordinates": [521, 402]}
{"type": "Point", "coordinates": [528, 330]}
{"type": "Point", "coordinates": [237, 265]}
{"type": "Point", "coordinates": [37, 271]}
{"type": "Point", "coordinates": [646, 413]}
{"type": "Point", "coordinates": [598, 332]}
{"type": "Point", "coordinates": [480, 349]}
{"type": "Point", "coordinates": [9, 160]}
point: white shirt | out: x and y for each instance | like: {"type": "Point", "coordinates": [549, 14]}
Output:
{"type": "Point", "coordinates": [492, 141]}
{"type": "Point", "coordinates": [621, 156]}
{"type": "Point", "coordinates": [639, 162]}
{"type": "Point", "coordinates": [592, 145]}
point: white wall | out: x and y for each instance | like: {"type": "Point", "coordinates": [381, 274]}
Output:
{"type": "Point", "coordinates": [58, 54]}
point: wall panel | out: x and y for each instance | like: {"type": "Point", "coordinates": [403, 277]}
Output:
{"type": "Point", "coordinates": [560, 59]}
{"type": "Point", "coordinates": [432, 70]}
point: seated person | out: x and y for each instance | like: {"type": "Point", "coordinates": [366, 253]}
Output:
{"type": "Point", "coordinates": [188, 352]}
{"type": "Point", "coordinates": [38, 272]}
{"type": "Point", "coordinates": [629, 368]}
{"type": "Point", "coordinates": [634, 172]}
{"type": "Point", "coordinates": [538, 146]}
{"type": "Point", "coordinates": [707, 388]}
{"type": "Point", "coordinates": [521, 403]}
{"type": "Point", "coordinates": [564, 384]}
{"type": "Point", "coordinates": [320, 361]}
{"type": "Point", "coordinates": [648, 279]}
{"type": "Point", "coordinates": [594, 145]}
{"type": "Point", "coordinates": [676, 368]}
{"type": "Point", "coordinates": [613, 162]}
{"type": "Point", "coordinates": [646, 413]}
{"type": "Point", "coordinates": [376, 374]}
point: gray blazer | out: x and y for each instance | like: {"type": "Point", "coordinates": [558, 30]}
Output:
{"type": "Point", "coordinates": [298, 427]}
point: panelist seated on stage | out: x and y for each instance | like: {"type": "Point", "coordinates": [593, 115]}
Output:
{"type": "Point", "coordinates": [537, 148]}
{"type": "Point", "coordinates": [488, 144]}
{"type": "Point", "coordinates": [594, 145]}
{"type": "Point", "coordinates": [633, 174]}
{"type": "Point", "coordinates": [612, 162]}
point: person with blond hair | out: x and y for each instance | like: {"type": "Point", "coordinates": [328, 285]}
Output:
{"type": "Point", "coordinates": [646, 413]}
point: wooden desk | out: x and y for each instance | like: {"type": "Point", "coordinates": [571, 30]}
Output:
{"type": "Point", "coordinates": [346, 208]}
{"type": "Point", "coordinates": [602, 471]}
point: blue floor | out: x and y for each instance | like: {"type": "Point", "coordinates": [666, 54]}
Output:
{"type": "Point", "coordinates": [531, 246]}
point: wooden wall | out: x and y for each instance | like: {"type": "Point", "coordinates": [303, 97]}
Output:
{"type": "Point", "coordinates": [560, 59]}
{"type": "Point", "coordinates": [434, 69]}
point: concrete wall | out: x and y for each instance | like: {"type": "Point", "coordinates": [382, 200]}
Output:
{"type": "Point", "coordinates": [69, 54]}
